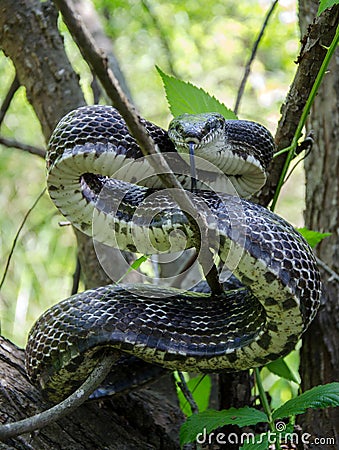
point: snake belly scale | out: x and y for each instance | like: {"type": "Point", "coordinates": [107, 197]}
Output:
{"type": "Point", "coordinates": [246, 326]}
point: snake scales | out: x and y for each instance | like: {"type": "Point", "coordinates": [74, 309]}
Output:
{"type": "Point", "coordinates": [93, 167]}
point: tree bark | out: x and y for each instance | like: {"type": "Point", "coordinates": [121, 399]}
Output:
{"type": "Point", "coordinates": [92, 20]}
{"type": "Point", "coordinates": [320, 350]}
{"type": "Point", "coordinates": [149, 418]}
{"type": "Point", "coordinates": [317, 34]}
{"type": "Point", "coordinates": [143, 420]}
{"type": "Point", "coordinates": [29, 36]}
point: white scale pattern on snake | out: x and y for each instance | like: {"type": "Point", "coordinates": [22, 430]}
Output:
{"type": "Point", "coordinates": [243, 327]}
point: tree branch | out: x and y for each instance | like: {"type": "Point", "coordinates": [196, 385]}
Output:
{"type": "Point", "coordinates": [98, 62]}
{"type": "Point", "coordinates": [334, 276]}
{"type": "Point", "coordinates": [319, 36]}
{"type": "Point", "coordinates": [187, 393]}
{"type": "Point", "coordinates": [12, 143]}
{"type": "Point", "coordinates": [93, 22]}
{"type": "Point", "coordinates": [9, 96]}
{"type": "Point", "coordinates": [63, 408]}
{"type": "Point", "coordinates": [162, 35]}
{"type": "Point", "coordinates": [252, 56]}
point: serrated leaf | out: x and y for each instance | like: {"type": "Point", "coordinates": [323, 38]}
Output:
{"type": "Point", "coordinates": [183, 97]}
{"type": "Point", "coordinates": [280, 368]}
{"type": "Point", "coordinates": [312, 237]}
{"type": "Point", "coordinates": [324, 4]}
{"type": "Point", "coordinates": [318, 397]}
{"type": "Point", "coordinates": [209, 420]}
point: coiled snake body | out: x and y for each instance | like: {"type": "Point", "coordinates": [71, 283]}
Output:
{"type": "Point", "coordinates": [93, 167]}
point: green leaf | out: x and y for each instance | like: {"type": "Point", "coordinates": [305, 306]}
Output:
{"type": "Point", "coordinates": [324, 4]}
{"type": "Point", "coordinates": [200, 388]}
{"type": "Point", "coordinates": [280, 368]}
{"type": "Point", "coordinates": [260, 443]}
{"type": "Point", "coordinates": [184, 97]}
{"type": "Point", "coordinates": [312, 237]}
{"type": "Point", "coordinates": [318, 397]}
{"type": "Point", "coordinates": [135, 265]}
{"type": "Point", "coordinates": [206, 421]}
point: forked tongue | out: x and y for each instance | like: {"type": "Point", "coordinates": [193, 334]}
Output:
{"type": "Point", "coordinates": [192, 166]}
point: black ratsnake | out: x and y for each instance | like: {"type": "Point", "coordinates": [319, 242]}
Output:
{"type": "Point", "coordinates": [98, 179]}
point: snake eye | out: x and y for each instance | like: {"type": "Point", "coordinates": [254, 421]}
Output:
{"type": "Point", "coordinates": [175, 127]}
{"type": "Point", "coordinates": [178, 128]}
{"type": "Point", "coordinates": [218, 122]}
{"type": "Point", "coordinates": [207, 127]}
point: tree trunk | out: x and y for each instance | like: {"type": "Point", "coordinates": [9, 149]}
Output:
{"type": "Point", "coordinates": [320, 31]}
{"type": "Point", "coordinates": [150, 418]}
{"type": "Point", "coordinates": [320, 350]}
{"type": "Point", "coordinates": [143, 420]}
{"type": "Point", "coordinates": [147, 419]}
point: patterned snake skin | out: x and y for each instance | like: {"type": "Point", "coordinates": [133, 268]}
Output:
{"type": "Point", "coordinates": [94, 166]}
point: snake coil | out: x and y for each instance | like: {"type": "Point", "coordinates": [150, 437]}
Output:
{"type": "Point", "coordinates": [98, 179]}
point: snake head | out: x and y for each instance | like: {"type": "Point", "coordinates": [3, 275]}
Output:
{"type": "Point", "coordinates": [200, 130]}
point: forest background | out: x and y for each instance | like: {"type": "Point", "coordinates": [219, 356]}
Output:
{"type": "Point", "coordinates": [207, 43]}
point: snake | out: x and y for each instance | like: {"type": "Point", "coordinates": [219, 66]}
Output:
{"type": "Point", "coordinates": [100, 181]}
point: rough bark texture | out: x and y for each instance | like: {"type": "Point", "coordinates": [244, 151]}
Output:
{"type": "Point", "coordinates": [320, 351]}
{"type": "Point", "coordinates": [147, 419]}
{"type": "Point", "coordinates": [29, 36]}
{"type": "Point", "coordinates": [143, 420]}
{"type": "Point", "coordinates": [317, 34]}
{"type": "Point", "coordinates": [150, 418]}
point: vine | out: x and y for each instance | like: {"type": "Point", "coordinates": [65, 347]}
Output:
{"type": "Point", "coordinates": [319, 397]}
{"type": "Point", "coordinates": [291, 150]}
{"type": "Point", "coordinates": [183, 96]}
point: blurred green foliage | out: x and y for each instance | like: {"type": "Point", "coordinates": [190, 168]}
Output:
{"type": "Point", "coordinates": [281, 389]}
{"type": "Point", "coordinates": [205, 42]}
{"type": "Point", "coordinates": [209, 43]}
{"type": "Point", "coordinates": [200, 387]}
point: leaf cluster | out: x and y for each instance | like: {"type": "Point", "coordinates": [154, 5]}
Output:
{"type": "Point", "coordinates": [184, 97]}
{"type": "Point", "coordinates": [319, 397]}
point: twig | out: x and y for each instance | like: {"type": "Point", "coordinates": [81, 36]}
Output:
{"type": "Point", "coordinates": [12, 143]}
{"type": "Point", "coordinates": [319, 35]}
{"type": "Point", "coordinates": [149, 8]}
{"type": "Point", "coordinates": [252, 56]}
{"type": "Point", "coordinates": [305, 112]}
{"type": "Point", "coordinates": [334, 275]}
{"type": "Point", "coordinates": [76, 277]}
{"type": "Point", "coordinates": [9, 96]}
{"type": "Point", "coordinates": [98, 63]}
{"type": "Point", "coordinates": [93, 21]}
{"type": "Point", "coordinates": [96, 90]}
{"type": "Point", "coordinates": [63, 408]}
{"type": "Point", "coordinates": [17, 236]}
{"type": "Point", "coordinates": [187, 393]}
